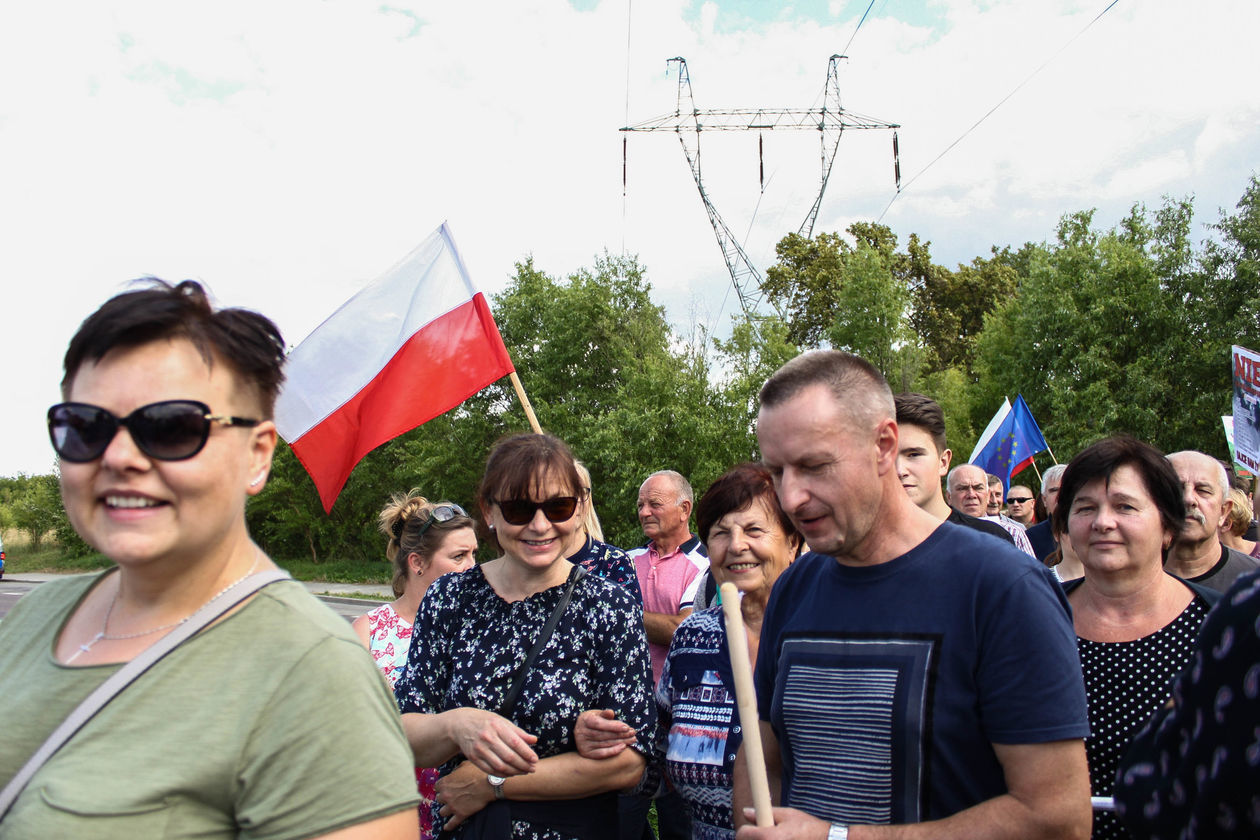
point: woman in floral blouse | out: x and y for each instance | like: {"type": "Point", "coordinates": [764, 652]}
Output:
{"type": "Point", "coordinates": [472, 634]}
{"type": "Point", "coordinates": [426, 541]}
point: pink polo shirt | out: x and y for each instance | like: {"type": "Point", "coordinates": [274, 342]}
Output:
{"type": "Point", "coordinates": [669, 586]}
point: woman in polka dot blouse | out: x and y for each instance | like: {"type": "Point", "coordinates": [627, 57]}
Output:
{"type": "Point", "coordinates": [1121, 506]}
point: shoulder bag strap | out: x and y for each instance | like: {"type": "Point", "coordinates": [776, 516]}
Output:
{"type": "Point", "coordinates": [509, 702]}
{"type": "Point", "coordinates": [128, 673]}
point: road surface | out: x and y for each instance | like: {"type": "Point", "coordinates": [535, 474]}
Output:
{"type": "Point", "coordinates": [349, 608]}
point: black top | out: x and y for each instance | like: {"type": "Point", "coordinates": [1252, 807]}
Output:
{"type": "Point", "coordinates": [959, 518]}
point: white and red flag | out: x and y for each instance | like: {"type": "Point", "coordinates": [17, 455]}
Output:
{"type": "Point", "coordinates": [413, 344]}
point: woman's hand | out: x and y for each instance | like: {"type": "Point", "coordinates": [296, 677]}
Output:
{"type": "Point", "coordinates": [463, 792]}
{"type": "Point", "coordinates": [598, 734]}
{"type": "Point", "coordinates": [492, 742]}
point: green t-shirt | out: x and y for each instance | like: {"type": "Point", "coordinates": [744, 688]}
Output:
{"type": "Point", "coordinates": [273, 723]}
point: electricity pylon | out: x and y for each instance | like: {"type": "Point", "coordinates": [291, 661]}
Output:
{"type": "Point", "coordinates": [830, 121]}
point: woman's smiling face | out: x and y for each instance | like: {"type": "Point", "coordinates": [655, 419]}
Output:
{"type": "Point", "coordinates": [135, 509]}
{"type": "Point", "coordinates": [749, 549]}
{"type": "Point", "coordinates": [540, 542]}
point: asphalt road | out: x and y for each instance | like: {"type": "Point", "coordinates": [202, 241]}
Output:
{"type": "Point", "coordinates": [10, 591]}
{"type": "Point", "coordinates": [348, 608]}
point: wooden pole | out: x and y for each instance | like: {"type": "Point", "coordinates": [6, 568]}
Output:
{"type": "Point", "coordinates": [746, 699]}
{"type": "Point", "coordinates": [529, 409]}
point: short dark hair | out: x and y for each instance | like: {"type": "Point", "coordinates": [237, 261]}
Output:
{"type": "Point", "coordinates": [924, 412]}
{"type": "Point", "coordinates": [1102, 459]}
{"type": "Point", "coordinates": [519, 464]}
{"type": "Point", "coordinates": [737, 489]}
{"type": "Point", "coordinates": [249, 343]}
{"type": "Point", "coordinates": [847, 376]}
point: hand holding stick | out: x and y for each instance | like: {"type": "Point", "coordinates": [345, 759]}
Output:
{"type": "Point", "coordinates": [746, 699]}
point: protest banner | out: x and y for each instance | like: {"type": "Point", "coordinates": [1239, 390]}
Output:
{"type": "Point", "coordinates": [1246, 423]}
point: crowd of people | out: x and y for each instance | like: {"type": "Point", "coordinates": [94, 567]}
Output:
{"type": "Point", "coordinates": [935, 653]}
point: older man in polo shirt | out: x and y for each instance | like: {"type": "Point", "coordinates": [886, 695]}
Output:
{"type": "Point", "coordinates": [669, 566]}
{"type": "Point", "coordinates": [669, 569]}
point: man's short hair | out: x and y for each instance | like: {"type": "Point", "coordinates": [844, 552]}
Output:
{"type": "Point", "coordinates": [924, 412]}
{"type": "Point", "coordinates": [682, 485]}
{"type": "Point", "coordinates": [949, 479]}
{"type": "Point", "coordinates": [992, 479]}
{"type": "Point", "coordinates": [856, 384]}
{"type": "Point", "coordinates": [1052, 474]}
{"type": "Point", "coordinates": [1222, 477]}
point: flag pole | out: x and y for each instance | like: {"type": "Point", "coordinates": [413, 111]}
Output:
{"type": "Point", "coordinates": [529, 409]}
{"type": "Point", "coordinates": [746, 700]}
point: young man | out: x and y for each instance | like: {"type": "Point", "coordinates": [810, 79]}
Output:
{"type": "Point", "coordinates": [923, 460]}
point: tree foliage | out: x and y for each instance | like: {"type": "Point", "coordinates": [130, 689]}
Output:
{"type": "Point", "coordinates": [1128, 329]}
{"type": "Point", "coordinates": [603, 371]}
{"type": "Point", "coordinates": [1122, 329]}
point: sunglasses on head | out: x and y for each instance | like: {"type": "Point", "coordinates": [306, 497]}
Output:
{"type": "Point", "coordinates": [171, 430]}
{"type": "Point", "coordinates": [441, 513]}
{"type": "Point", "coordinates": [521, 511]}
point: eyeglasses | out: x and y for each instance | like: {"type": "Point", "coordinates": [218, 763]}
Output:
{"type": "Point", "coordinates": [441, 513]}
{"type": "Point", "coordinates": [1018, 500]}
{"type": "Point", "coordinates": [171, 430]}
{"type": "Point", "coordinates": [521, 511]}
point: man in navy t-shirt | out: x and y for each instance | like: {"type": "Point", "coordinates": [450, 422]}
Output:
{"type": "Point", "coordinates": [911, 673]}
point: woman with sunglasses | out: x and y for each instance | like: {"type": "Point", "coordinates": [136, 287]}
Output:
{"type": "Point", "coordinates": [269, 721]}
{"type": "Point", "coordinates": [511, 763]}
{"type": "Point", "coordinates": [426, 541]}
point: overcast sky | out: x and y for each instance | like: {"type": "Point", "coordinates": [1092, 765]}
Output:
{"type": "Point", "coordinates": [285, 152]}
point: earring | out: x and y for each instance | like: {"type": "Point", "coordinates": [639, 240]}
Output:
{"type": "Point", "coordinates": [258, 480]}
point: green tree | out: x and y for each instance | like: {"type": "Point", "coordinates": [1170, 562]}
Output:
{"type": "Point", "coordinates": [34, 507]}
{"type": "Point", "coordinates": [1126, 330]}
{"type": "Point", "coordinates": [603, 370]}
{"type": "Point", "coordinates": [853, 297]}
{"type": "Point", "coordinates": [949, 306]}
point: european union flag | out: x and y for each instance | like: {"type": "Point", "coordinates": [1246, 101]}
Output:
{"type": "Point", "coordinates": [1014, 442]}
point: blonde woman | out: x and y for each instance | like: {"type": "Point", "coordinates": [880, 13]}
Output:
{"type": "Point", "coordinates": [426, 541]}
{"type": "Point", "coordinates": [1235, 525]}
{"type": "Point", "coordinates": [585, 546]}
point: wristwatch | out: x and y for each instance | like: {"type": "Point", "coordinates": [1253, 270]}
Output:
{"type": "Point", "coordinates": [838, 832]}
{"type": "Point", "coordinates": [496, 784]}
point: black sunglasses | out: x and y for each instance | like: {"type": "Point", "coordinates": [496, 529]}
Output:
{"type": "Point", "coordinates": [521, 511]}
{"type": "Point", "coordinates": [171, 430]}
{"type": "Point", "coordinates": [1016, 500]}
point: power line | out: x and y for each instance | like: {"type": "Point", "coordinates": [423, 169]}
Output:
{"type": "Point", "coordinates": [845, 51]}
{"type": "Point", "coordinates": [1000, 103]}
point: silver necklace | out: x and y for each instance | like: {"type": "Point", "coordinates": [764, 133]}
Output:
{"type": "Point", "coordinates": [103, 636]}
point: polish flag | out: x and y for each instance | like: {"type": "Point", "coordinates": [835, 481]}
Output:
{"type": "Point", "coordinates": [413, 344]}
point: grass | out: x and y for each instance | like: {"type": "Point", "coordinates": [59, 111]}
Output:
{"type": "Point", "coordinates": [358, 596]}
{"type": "Point", "coordinates": [337, 571]}
{"type": "Point", "coordinates": [50, 559]}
